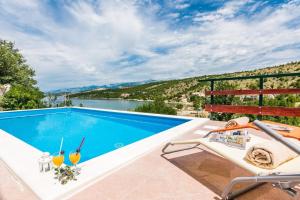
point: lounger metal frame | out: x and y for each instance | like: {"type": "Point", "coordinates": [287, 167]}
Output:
{"type": "Point", "coordinates": [285, 182]}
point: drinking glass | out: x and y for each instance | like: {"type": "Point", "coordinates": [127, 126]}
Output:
{"type": "Point", "coordinates": [74, 157]}
{"type": "Point", "coordinates": [58, 159]}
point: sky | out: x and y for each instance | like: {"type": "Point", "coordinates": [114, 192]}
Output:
{"type": "Point", "coordinates": [78, 43]}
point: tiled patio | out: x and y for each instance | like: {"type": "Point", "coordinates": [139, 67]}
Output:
{"type": "Point", "coordinates": [192, 174]}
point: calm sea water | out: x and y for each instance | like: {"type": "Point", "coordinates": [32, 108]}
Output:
{"type": "Point", "coordinates": [115, 104]}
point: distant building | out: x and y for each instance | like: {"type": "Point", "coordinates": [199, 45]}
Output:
{"type": "Point", "coordinates": [271, 96]}
{"type": "Point", "coordinates": [200, 94]}
{"type": "Point", "coordinates": [248, 97]}
{"type": "Point", "coordinates": [183, 99]}
{"type": "Point", "coordinates": [99, 89]}
{"type": "Point", "coordinates": [125, 95]}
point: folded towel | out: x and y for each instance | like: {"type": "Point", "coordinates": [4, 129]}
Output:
{"type": "Point", "coordinates": [237, 121]}
{"type": "Point", "coordinates": [269, 155]}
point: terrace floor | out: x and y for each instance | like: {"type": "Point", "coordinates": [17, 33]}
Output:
{"type": "Point", "coordinates": [192, 174]}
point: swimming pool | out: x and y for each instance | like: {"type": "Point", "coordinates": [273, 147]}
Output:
{"type": "Point", "coordinates": [113, 139]}
{"type": "Point", "coordinates": [103, 131]}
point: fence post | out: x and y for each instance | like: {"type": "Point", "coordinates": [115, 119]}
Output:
{"type": "Point", "coordinates": [211, 96]}
{"type": "Point", "coordinates": [260, 99]}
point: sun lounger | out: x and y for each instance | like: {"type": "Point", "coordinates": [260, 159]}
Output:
{"type": "Point", "coordinates": [290, 131]}
{"type": "Point", "coordinates": [284, 176]}
{"type": "Point", "coordinates": [294, 132]}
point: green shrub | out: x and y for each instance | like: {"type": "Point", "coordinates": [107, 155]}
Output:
{"type": "Point", "coordinates": [198, 102]}
{"type": "Point", "coordinates": [20, 97]}
{"type": "Point", "coordinates": [179, 106]}
{"type": "Point", "coordinates": [157, 106]}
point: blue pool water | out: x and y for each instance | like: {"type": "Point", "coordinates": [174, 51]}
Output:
{"type": "Point", "coordinates": [104, 131]}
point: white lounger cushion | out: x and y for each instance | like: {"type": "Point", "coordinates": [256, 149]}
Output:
{"type": "Point", "coordinates": [237, 156]}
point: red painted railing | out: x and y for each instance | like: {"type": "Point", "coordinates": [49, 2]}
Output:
{"type": "Point", "coordinates": [256, 110]}
{"type": "Point", "coordinates": [254, 92]}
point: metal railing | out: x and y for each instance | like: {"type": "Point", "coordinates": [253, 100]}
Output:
{"type": "Point", "coordinates": [259, 110]}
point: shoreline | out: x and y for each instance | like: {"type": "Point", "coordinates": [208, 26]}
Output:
{"type": "Point", "coordinates": [182, 112]}
{"type": "Point", "coordinates": [140, 100]}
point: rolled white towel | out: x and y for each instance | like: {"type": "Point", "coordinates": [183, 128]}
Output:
{"type": "Point", "coordinates": [269, 155]}
{"type": "Point", "coordinates": [237, 121]}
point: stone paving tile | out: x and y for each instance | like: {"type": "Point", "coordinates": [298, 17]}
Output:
{"type": "Point", "coordinates": [11, 187]}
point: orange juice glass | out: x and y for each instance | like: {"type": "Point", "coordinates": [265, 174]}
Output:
{"type": "Point", "coordinates": [74, 157]}
{"type": "Point", "coordinates": [58, 159]}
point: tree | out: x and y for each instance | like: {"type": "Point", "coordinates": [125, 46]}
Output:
{"type": "Point", "coordinates": [157, 106]}
{"type": "Point", "coordinates": [68, 102]}
{"type": "Point", "coordinates": [179, 106]}
{"type": "Point", "coordinates": [13, 67]}
{"type": "Point", "coordinates": [20, 97]}
{"type": "Point", "coordinates": [15, 71]}
{"type": "Point", "coordinates": [224, 100]}
{"type": "Point", "coordinates": [198, 102]}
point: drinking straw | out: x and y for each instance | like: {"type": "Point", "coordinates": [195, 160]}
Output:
{"type": "Point", "coordinates": [61, 143]}
{"type": "Point", "coordinates": [82, 141]}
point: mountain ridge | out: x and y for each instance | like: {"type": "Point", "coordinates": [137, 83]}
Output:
{"type": "Point", "coordinates": [174, 90]}
{"type": "Point", "coordinates": [95, 87]}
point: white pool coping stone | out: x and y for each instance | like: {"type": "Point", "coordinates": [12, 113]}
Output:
{"type": "Point", "coordinates": [22, 158]}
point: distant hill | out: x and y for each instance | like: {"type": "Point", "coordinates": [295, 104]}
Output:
{"type": "Point", "coordinates": [97, 87]}
{"type": "Point", "coordinates": [177, 90]}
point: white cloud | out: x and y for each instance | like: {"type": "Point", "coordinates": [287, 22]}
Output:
{"type": "Point", "coordinates": [182, 6]}
{"type": "Point", "coordinates": [84, 46]}
{"type": "Point", "coordinates": [228, 11]}
{"type": "Point", "coordinates": [173, 15]}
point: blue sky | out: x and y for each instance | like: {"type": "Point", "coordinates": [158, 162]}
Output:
{"type": "Point", "coordinates": [76, 43]}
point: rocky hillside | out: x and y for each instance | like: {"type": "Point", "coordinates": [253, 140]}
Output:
{"type": "Point", "coordinates": [183, 89]}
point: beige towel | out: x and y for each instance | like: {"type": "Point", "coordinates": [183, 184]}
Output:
{"type": "Point", "coordinates": [237, 121]}
{"type": "Point", "coordinates": [269, 155]}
